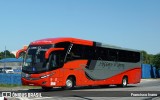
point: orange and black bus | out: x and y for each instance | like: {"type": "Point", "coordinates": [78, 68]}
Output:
{"type": "Point", "coordinates": [70, 62]}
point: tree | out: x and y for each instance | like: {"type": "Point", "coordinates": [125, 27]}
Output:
{"type": "Point", "coordinates": [8, 54]}
{"type": "Point", "coordinates": [147, 58]}
{"type": "Point", "coordinates": [156, 60]}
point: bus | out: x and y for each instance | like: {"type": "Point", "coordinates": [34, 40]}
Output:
{"type": "Point", "coordinates": [68, 62]}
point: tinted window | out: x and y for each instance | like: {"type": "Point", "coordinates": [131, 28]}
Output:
{"type": "Point", "coordinates": [76, 52]}
{"type": "Point", "coordinates": [56, 60]}
{"type": "Point", "coordinates": [112, 56]}
{"type": "Point", "coordinates": [81, 52]}
{"type": "Point", "coordinates": [100, 53]}
{"type": "Point", "coordinates": [115, 55]}
{"type": "Point", "coordinates": [89, 53]}
{"type": "Point", "coordinates": [64, 45]}
{"type": "Point", "coordinates": [128, 56]}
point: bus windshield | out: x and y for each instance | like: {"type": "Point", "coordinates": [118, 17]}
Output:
{"type": "Point", "coordinates": [35, 62]}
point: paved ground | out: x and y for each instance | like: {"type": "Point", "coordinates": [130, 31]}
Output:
{"type": "Point", "coordinates": [148, 89]}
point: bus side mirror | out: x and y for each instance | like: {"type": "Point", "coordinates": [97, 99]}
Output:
{"type": "Point", "coordinates": [20, 52]}
{"type": "Point", "coordinates": [48, 52]}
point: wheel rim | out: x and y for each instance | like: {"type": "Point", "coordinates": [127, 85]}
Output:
{"type": "Point", "coordinates": [124, 82]}
{"type": "Point", "coordinates": [69, 83]}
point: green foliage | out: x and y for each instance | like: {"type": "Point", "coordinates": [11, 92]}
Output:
{"type": "Point", "coordinates": [156, 60]}
{"type": "Point", "coordinates": [9, 85]}
{"type": "Point", "coordinates": [8, 54]}
{"type": "Point", "coordinates": [151, 59]}
{"type": "Point", "coordinates": [147, 58]}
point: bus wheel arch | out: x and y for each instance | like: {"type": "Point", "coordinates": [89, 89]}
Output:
{"type": "Point", "coordinates": [70, 82]}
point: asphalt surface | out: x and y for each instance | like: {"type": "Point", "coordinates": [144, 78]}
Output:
{"type": "Point", "coordinates": [148, 89]}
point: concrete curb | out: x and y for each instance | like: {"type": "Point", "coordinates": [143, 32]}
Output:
{"type": "Point", "coordinates": [151, 79]}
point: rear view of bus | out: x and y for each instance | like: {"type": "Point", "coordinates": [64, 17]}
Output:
{"type": "Point", "coordinates": [69, 62]}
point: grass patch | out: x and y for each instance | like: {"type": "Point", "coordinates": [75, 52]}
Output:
{"type": "Point", "coordinates": [30, 87]}
{"type": "Point", "coordinates": [9, 85]}
{"type": "Point", "coordinates": [18, 86]}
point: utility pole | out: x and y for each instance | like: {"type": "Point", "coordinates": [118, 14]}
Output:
{"type": "Point", "coordinates": [4, 60]}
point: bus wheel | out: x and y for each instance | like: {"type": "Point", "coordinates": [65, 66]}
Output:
{"type": "Point", "coordinates": [124, 82]}
{"type": "Point", "coordinates": [70, 82]}
{"type": "Point", "coordinates": [47, 88]}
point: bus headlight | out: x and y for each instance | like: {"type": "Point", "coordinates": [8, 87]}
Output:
{"type": "Point", "coordinates": [24, 75]}
{"type": "Point", "coordinates": [45, 76]}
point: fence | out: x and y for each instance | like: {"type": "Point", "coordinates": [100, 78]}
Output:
{"type": "Point", "coordinates": [149, 71]}
{"type": "Point", "coordinates": [10, 78]}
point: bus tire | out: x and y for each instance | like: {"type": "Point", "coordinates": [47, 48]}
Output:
{"type": "Point", "coordinates": [124, 82]}
{"type": "Point", "coordinates": [70, 83]}
{"type": "Point", "coordinates": [47, 88]}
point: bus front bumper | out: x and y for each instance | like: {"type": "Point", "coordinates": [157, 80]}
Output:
{"type": "Point", "coordinates": [45, 82]}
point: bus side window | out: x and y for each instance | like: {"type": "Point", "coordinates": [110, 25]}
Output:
{"type": "Point", "coordinates": [122, 56]}
{"type": "Point", "coordinates": [104, 54]}
{"type": "Point", "coordinates": [75, 53]}
{"type": "Point", "coordinates": [56, 60]}
{"type": "Point", "coordinates": [136, 56]}
{"type": "Point", "coordinates": [99, 53]}
{"type": "Point", "coordinates": [128, 56]}
{"type": "Point", "coordinates": [112, 55]}
{"type": "Point", "coordinates": [89, 53]}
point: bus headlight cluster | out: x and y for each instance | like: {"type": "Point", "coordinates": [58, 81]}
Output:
{"type": "Point", "coordinates": [24, 75]}
{"type": "Point", "coordinates": [45, 76]}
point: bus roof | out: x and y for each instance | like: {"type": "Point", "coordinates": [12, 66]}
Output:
{"type": "Point", "coordinates": [57, 40]}
{"type": "Point", "coordinates": [77, 41]}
